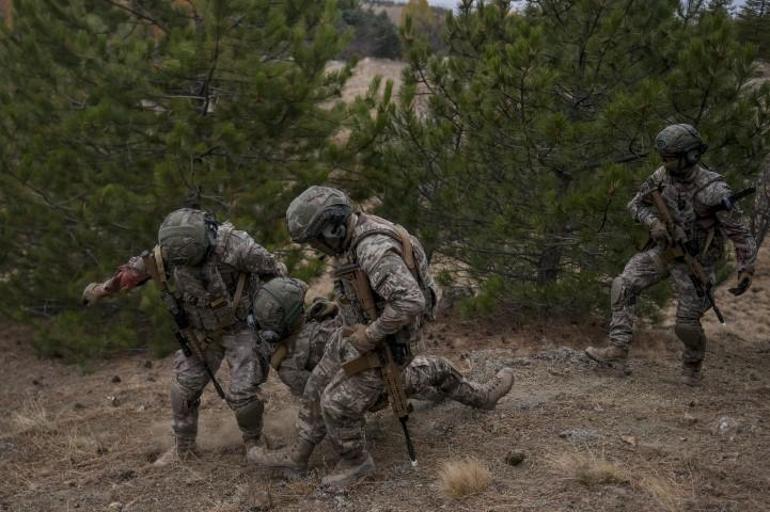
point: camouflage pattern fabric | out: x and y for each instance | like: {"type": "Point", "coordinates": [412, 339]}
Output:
{"type": "Point", "coordinates": [247, 371]}
{"type": "Point", "coordinates": [228, 336]}
{"type": "Point", "coordinates": [695, 201]}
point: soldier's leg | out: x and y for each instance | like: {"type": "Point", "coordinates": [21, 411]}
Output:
{"type": "Point", "coordinates": [435, 376]}
{"type": "Point", "coordinates": [690, 309]}
{"type": "Point", "coordinates": [247, 372]}
{"type": "Point", "coordinates": [344, 403]}
{"type": "Point", "coordinates": [643, 270]}
{"type": "Point", "coordinates": [190, 378]}
{"type": "Point", "coordinates": [310, 425]}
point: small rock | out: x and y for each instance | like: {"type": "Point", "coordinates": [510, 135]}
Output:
{"type": "Point", "coordinates": [630, 440]}
{"type": "Point", "coordinates": [141, 408]}
{"type": "Point", "coordinates": [693, 403]}
{"type": "Point", "coordinates": [147, 364]}
{"type": "Point", "coordinates": [71, 483]}
{"type": "Point", "coordinates": [78, 406]}
{"type": "Point", "coordinates": [689, 419]}
{"type": "Point", "coordinates": [579, 435]}
{"type": "Point", "coordinates": [36, 382]}
{"type": "Point", "coordinates": [515, 457]}
{"type": "Point", "coordinates": [115, 506]}
{"type": "Point", "coordinates": [116, 379]}
{"type": "Point", "coordinates": [726, 425]}
{"type": "Point", "coordinates": [113, 401]}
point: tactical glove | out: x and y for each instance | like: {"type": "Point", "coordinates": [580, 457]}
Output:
{"type": "Point", "coordinates": [659, 234]}
{"type": "Point", "coordinates": [744, 282]}
{"type": "Point", "coordinates": [92, 293]}
{"type": "Point", "coordinates": [358, 337]}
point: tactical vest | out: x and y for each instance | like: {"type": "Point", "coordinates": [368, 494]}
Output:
{"type": "Point", "coordinates": [413, 254]}
{"type": "Point", "coordinates": [214, 295]}
{"type": "Point", "coordinates": [693, 210]}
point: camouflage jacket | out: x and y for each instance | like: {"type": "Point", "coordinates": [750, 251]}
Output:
{"type": "Point", "coordinates": [305, 350]}
{"type": "Point", "coordinates": [699, 204]}
{"type": "Point", "coordinates": [213, 282]}
{"type": "Point", "coordinates": [404, 300]}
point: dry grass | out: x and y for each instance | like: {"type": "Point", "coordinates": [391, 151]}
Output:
{"type": "Point", "coordinates": [464, 477]}
{"type": "Point", "coordinates": [590, 469]}
{"type": "Point", "coordinates": [33, 416]}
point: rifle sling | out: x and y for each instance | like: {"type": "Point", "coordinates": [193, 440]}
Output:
{"type": "Point", "coordinates": [362, 363]}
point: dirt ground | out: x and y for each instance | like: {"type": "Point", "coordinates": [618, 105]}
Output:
{"type": "Point", "coordinates": [590, 440]}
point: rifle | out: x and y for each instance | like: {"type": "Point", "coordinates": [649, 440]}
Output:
{"type": "Point", "coordinates": [186, 337]}
{"type": "Point", "coordinates": [383, 358]}
{"type": "Point", "coordinates": [702, 282]}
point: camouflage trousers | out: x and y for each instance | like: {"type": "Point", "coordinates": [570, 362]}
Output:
{"type": "Point", "coordinates": [248, 369]}
{"type": "Point", "coordinates": [335, 404]}
{"type": "Point", "coordinates": [644, 270]}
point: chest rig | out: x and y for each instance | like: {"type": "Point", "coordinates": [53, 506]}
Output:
{"type": "Point", "coordinates": [694, 215]}
{"type": "Point", "coordinates": [203, 292]}
{"type": "Point", "coordinates": [359, 303]}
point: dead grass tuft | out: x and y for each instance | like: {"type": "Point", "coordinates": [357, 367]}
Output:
{"type": "Point", "coordinates": [33, 416]}
{"type": "Point", "coordinates": [590, 469]}
{"type": "Point", "coordinates": [663, 491]}
{"type": "Point", "coordinates": [464, 477]}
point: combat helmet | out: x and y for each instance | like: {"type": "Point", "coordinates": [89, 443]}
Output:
{"type": "Point", "coordinates": [680, 141]}
{"type": "Point", "coordinates": [186, 235]}
{"type": "Point", "coordinates": [279, 304]}
{"type": "Point", "coordinates": [318, 213]}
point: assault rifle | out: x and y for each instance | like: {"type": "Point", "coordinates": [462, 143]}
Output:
{"type": "Point", "coordinates": [702, 282]}
{"type": "Point", "coordinates": [382, 358]}
{"type": "Point", "coordinates": [186, 337]}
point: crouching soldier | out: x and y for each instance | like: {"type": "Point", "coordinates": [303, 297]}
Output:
{"type": "Point", "coordinates": [385, 294]}
{"type": "Point", "coordinates": [690, 212]}
{"type": "Point", "coordinates": [208, 273]}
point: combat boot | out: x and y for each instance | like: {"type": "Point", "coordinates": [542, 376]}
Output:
{"type": "Point", "coordinates": [483, 396]}
{"type": "Point", "coordinates": [290, 461]}
{"type": "Point", "coordinates": [182, 451]}
{"type": "Point", "coordinates": [691, 373]}
{"type": "Point", "coordinates": [611, 355]}
{"type": "Point", "coordinates": [348, 471]}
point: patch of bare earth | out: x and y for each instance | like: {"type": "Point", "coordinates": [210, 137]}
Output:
{"type": "Point", "coordinates": [591, 441]}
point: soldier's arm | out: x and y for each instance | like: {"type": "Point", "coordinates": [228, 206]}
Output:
{"type": "Point", "coordinates": [641, 208]}
{"type": "Point", "coordinates": [393, 282]}
{"type": "Point", "coordinates": [730, 221]}
{"type": "Point", "coordinates": [248, 256]}
{"type": "Point", "coordinates": [293, 370]}
{"type": "Point", "coordinates": [127, 276]}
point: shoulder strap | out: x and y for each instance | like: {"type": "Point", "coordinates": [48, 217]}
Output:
{"type": "Point", "coordinates": [239, 288]}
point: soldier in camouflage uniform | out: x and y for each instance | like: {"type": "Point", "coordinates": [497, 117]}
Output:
{"type": "Point", "coordinates": [215, 269]}
{"type": "Point", "coordinates": [300, 348]}
{"type": "Point", "coordinates": [700, 203]}
{"type": "Point", "coordinates": [334, 403]}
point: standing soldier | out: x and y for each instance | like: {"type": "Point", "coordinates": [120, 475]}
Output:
{"type": "Point", "coordinates": [208, 273]}
{"type": "Point", "coordinates": [377, 258]}
{"type": "Point", "coordinates": [699, 208]}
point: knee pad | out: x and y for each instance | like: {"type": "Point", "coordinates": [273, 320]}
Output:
{"type": "Point", "coordinates": [620, 292]}
{"type": "Point", "coordinates": [691, 334]}
{"type": "Point", "coordinates": [249, 417]}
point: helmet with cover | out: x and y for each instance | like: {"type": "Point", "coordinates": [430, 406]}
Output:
{"type": "Point", "coordinates": [680, 143]}
{"type": "Point", "coordinates": [319, 216]}
{"type": "Point", "coordinates": [186, 236]}
{"type": "Point", "coordinates": [279, 304]}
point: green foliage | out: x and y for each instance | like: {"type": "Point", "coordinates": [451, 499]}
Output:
{"type": "Point", "coordinates": [754, 25]}
{"type": "Point", "coordinates": [516, 153]}
{"type": "Point", "coordinates": [114, 113]}
{"type": "Point", "coordinates": [374, 35]}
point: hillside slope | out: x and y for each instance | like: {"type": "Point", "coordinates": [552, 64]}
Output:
{"type": "Point", "coordinates": [592, 441]}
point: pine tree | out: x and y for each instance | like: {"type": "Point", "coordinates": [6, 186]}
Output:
{"type": "Point", "coordinates": [112, 114]}
{"type": "Point", "coordinates": [754, 25]}
{"type": "Point", "coordinates": [516, 154]}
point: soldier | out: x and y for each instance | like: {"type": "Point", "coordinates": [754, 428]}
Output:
{"type": "Point", "coordinates": [701, 205]}
{"type": "Point", "coordinates": [215, 269]}
{"type": "Point", "coordinates": [394, 265]}
{"type": "Point", "coordinates": [302, 344]}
